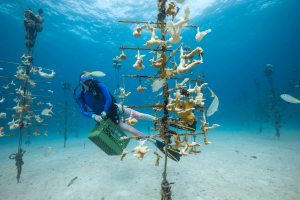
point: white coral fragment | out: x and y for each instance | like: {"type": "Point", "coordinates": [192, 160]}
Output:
{"type": "Point", "coordinates": [137, 32]}
{"type": "Point", "coordinates": [131, 120]}
{"type": "Point", "coordinates": [123, 93]}
{"type": "Point", "coordinates": [20, 91]}
{"type": "Point", "coordinates": [13, 125]}
{"type": "Point", "coordinates": [204, 128]}
{"type": "Point", "coordinates": [156, 63]}
{"type": "Point", "coordinates": [199, 98]}
{"type": "Point", "coordinates": [2, 115]}
{"type": "Point", "coordinates": [200, 35]}
{"type": "Point", "coordinates": [12, 82]}
{"type": "Point", "coordinates": [33, 70]}
{"type": "Point", "coordinates": [6, 87]}
{"type": "Point", "coordinates": [45, 75]}
{"type": "Point", "coordinates": [38, 119]}
{"type": "Point", "coordinates": [21, 74]}
{"type": "Point", "coordinates": [32, 83]}
{"type": "Point", "coordinates": [1, 132]}
{"type": "Point", "coordinates": [140, 151]}
{"type": "Point", "coordinates": [175, 34]}
{"type": "Point", "coordinates": [154, 39]}
{"type": "Point", "coordinates": [16, 99]}
{"type": "Point", "coordinates": [182, 151]}
{"type": "Point", "coordinates": [141, 89]}
{"type": "Point", "coordinates": [183, 68]}
{"type": "Point", "coordinates": [124, 154]}
{"type": "Point", "coordinates": [18, 109]}
{"type": "Point", "coordinates": [139, 63]}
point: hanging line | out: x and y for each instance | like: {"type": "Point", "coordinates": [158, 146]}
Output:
{"type": "Point", "coordinates": [186, 137]}
{"type": "Point", "coordinates": [50, 95]}
{"type": "Point", "coordinates": [118, 76]}
{"type": "Point", "coordinates": [123, 83]}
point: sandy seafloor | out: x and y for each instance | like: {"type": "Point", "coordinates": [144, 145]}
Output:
{"type": "Point", "coordinates": [224, 170]}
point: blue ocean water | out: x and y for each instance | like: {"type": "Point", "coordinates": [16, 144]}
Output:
{"type": "Point", "coordinates": [86, 35]}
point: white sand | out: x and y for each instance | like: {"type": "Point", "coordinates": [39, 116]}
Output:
{"type": "Point", "coordinates": [224, 170]}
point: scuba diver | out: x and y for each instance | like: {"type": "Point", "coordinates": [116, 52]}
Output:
{"type": "Point", "coordinates": [96, 96]}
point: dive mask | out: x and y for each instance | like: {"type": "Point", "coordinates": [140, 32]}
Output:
{"type": "Point", "coordinates": [84, 78]}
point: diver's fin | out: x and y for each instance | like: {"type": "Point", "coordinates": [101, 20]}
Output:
{"type": "Point", "coordinates": [181, 125]}
{"type": "Point", "coordinates": [172, 153]}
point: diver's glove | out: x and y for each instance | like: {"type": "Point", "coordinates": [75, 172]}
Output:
{"type": "Point", "coordinates": [98, 119]}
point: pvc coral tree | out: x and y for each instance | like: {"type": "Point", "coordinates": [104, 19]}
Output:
{"type": "Point", "coordinates": [183, 104]}
{"type": "Point", "coordinates": [23, 112]}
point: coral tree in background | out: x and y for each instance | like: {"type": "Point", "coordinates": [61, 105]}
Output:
{"type": "Point", "coordinates": [275, 106]}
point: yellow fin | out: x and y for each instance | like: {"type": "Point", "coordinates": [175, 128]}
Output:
{"type": "Point", "coordinates": [212, 93]}
{"type": "Point", "coordinates": [50, 110]}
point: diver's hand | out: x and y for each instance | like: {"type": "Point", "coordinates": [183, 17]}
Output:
{"type": "Point", "coordinates": [99, 119]}
{"type": "Point", "coordinates": [103, 114]}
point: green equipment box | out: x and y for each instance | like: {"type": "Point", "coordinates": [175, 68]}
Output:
{"type": "Point", "coordinates": [107, 137]}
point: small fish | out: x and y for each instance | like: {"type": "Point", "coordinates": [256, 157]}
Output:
{"type": "Point", "coordinates": [289, 98]}
{"type": "Point", "coordinates": [46, 111]}
{"type": "Point", "coordinates": [96, 73]}
{"type": "Point", "coordinates": [157, 84]}
{"type": "Point", "coordinates": [214, 105]}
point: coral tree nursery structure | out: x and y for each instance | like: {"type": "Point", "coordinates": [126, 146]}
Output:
{"type": "Point", "coordinates": [23, 114]}
{"type": "Point", "coordinates": [66, 115]}
{"type": "Point", "coordinates": [183, 103]}
{"type": "Point", "coordinates": [275, 102]}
